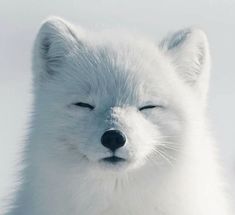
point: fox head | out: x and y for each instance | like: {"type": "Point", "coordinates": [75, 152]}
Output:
{"type": "Point", "coordinates": [111, 100]}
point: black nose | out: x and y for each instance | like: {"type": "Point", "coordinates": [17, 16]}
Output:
{"type": "Point", "coordinates": [113, 139]}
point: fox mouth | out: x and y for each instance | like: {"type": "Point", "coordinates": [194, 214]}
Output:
{"type": "Point", "coordinates": [113, 159]}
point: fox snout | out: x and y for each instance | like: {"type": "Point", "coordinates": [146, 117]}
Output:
{"type": "Point", "coordinates": [113, 139]}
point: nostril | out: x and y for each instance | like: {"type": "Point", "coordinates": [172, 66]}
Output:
{"type": "Point", "coordinates": [113, 139]}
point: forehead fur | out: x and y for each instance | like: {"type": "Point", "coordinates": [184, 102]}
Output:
{"type": "Point", "coordinates": [104, 64]}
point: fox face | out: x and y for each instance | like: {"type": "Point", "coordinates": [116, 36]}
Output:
{"type": "Point", "coordinates": [117, 102]}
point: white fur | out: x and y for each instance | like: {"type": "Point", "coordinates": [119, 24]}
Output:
{"type": "Point", "coordinates": [171, 166]}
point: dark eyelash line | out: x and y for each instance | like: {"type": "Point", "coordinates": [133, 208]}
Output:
{"type": "Point", "coordinates": [149, 107]}
{"type": "Point", "coordinates": [85, 105]}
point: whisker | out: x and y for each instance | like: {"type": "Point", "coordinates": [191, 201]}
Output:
{"type": "Point", "coordinates": [167, 136]}
{"type": "Point", "coordinates": [169, 147]}
{"type": "Point", "coordinates": [164, 156]}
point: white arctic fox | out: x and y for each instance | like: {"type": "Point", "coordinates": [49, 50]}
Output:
{"type": "Point", "coordinates": [119, 126]}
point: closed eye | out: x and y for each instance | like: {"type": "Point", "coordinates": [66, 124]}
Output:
{"type": "Point", "coordinates": [150, 107]}
{"type": "Point", "coordinates": [84, 105]}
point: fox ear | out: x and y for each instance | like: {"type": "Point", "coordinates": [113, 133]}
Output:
{"type": "Point", "coordinates": [56, 39]}
{"type": "Point", "coordinates": [189, 52]}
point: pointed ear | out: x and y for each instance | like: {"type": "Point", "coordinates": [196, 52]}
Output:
{"type": "Point", "coordinates": [189, 52]}
{"type": "Point", "coordinates": [55, 40]}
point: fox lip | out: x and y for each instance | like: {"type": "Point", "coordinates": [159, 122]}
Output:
{"type": "Point", "coordinates": [113, 159]}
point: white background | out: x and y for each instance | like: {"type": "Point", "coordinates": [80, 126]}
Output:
{"type": "Point", "coordinates": [19, 22]}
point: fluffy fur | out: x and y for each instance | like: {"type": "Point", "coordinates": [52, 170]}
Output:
{"type": "Point", "coordinates": [170, 165]}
